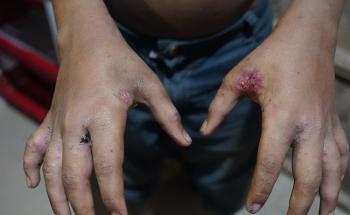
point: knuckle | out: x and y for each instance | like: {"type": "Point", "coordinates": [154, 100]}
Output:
{"type": "Point", "coordinates": [83, 209]}
{"type": "Point", "coordinates": [330, 153]}
{"type": "Point", "coordinates": [269, 166]}
{"type": "Point", "coordinates": [124, 97]}
{"type": "Point", "coordinates": [114, 204]}
{"type": "Point", "coordinates": [328, 196]}
{"type": "Point", "coordinates": [35, 144]}
{"type": "Point", "coordinates": [212, 108]}
{"type": "Point", "coordinates": [49, 170]}
{"type": "Point", "coordinates": [217, 110]}
{"type": "Point", "coordinates": [28, 163]}
{"type": "Point", "coordinates": [103, 169]}
{"type": "Point", "coordinates": [110, 202]}
{"type": "Point", "coordinates": [173, 114]}
{"type": "Point", "coordinates": [69, 179]}
{"type": "Point", "coordinates": [314, 120]}
{"type": "Point", "coordinates": [309, 186]}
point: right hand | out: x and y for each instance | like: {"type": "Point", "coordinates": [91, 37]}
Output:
{"type": "Point", "coordinates": [94, 90]}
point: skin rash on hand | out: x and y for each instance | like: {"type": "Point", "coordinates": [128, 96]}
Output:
{"type": "Point", "coordinates": [250, 82]}
{"type": "Point", "coordinates": [125, 97]}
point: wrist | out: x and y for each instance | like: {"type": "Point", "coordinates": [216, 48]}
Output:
{"type": "Point", "coordinates": [312, 23]}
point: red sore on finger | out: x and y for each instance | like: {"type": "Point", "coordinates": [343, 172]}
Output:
{"type": "Point", "coordinates": [125, 97]}
{"type": "Point", "coordinates": [250, 82]}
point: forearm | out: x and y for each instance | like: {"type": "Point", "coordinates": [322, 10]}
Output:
{"type": "Point", "coordinates": [313, 23]}
{"type": "Point", "coordinates": [84, 22]}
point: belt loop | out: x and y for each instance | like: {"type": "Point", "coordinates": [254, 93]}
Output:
{"type": "Point", "coordinates": [168, 48]}
{"type": "Point", "coordinates": [251, 18]}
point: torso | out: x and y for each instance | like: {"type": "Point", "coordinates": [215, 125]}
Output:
{"type": "Point", "coordinates": [177, 19]}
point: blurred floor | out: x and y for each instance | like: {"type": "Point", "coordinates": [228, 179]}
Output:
{"type": "Point", "coordinates": [173, 196]}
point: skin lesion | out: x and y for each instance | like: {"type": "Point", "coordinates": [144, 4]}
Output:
{"type": "Point", "coordinates": [85, 139]}
{"type": "Point", "coordinates": [250, 82]}
{"type": "Point", "coordinates": [297, 135]}
{"type": "Point", "coordinates": [125, 97]}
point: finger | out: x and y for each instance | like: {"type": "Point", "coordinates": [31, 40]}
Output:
{"type": "Point", "coordinates": [307, 162]}
{"type": "Point", "coordinates": [331, 177]}
{"type": "Point", "coordinates": [221, 106]}
{"type": "Point", "coordinates": [343, 146]}
{"type": "Point", "coordinates": [108, 149]}
{"type": "Point", "coordinates": [168, 117]}
{"type": "Point", "coordinates": [77, 168]}
{"type": "Point", "coordinates": [52, 170]}
{"type": "Point", "coordinates": [274, 144]}
{"type": "Point", "coordinates": [34, 152]}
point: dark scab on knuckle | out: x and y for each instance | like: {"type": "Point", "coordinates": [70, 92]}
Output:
{"type": "Point", "coordinates": [85, 139]}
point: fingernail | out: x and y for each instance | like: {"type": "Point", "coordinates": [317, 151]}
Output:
{"type": "Point", "coordinates": [28, 182]}
{"type": "Point", "coordinates": [255, 208]}
{"type": "Point", "coordinates": [342, 178]}
{"type": "Point", "coordinates": [204, 126]}
{"type": "Point", "coordinates": [332, 213]}
{"type": "Point", "coordinates": [187, 137]}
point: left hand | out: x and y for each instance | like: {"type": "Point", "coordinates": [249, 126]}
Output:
{"type": "Point", "coordinates": [292, 78]}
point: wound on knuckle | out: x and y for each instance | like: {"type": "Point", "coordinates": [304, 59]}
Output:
{"type": "Point", "coordinates": [249, 82]}
{"type": "Point", "coordinates": [125, 97]}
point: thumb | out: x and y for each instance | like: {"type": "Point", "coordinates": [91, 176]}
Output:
{"type": "Point", "coordinates": [236, 83]}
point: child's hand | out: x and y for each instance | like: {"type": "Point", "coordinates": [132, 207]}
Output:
{"type": "Point", "coordinates": [292, 79]}
{"type": "Point", "coordinates": [84, 129]}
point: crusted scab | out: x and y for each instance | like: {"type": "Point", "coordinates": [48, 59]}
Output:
{"type": "Point", "coordinates": [85, 139]}
{"type": "Point", "coordinates": [125, 97]}
{"type": "Point", "coordinates": [250, 82]}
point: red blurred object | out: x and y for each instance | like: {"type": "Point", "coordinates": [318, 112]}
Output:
{"type": "Point", "coordinates": [27, 60]}
{"type": "Point", "coordinates": [22, 102]}
{"type": "Point", "coordinates": [29, 57]}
